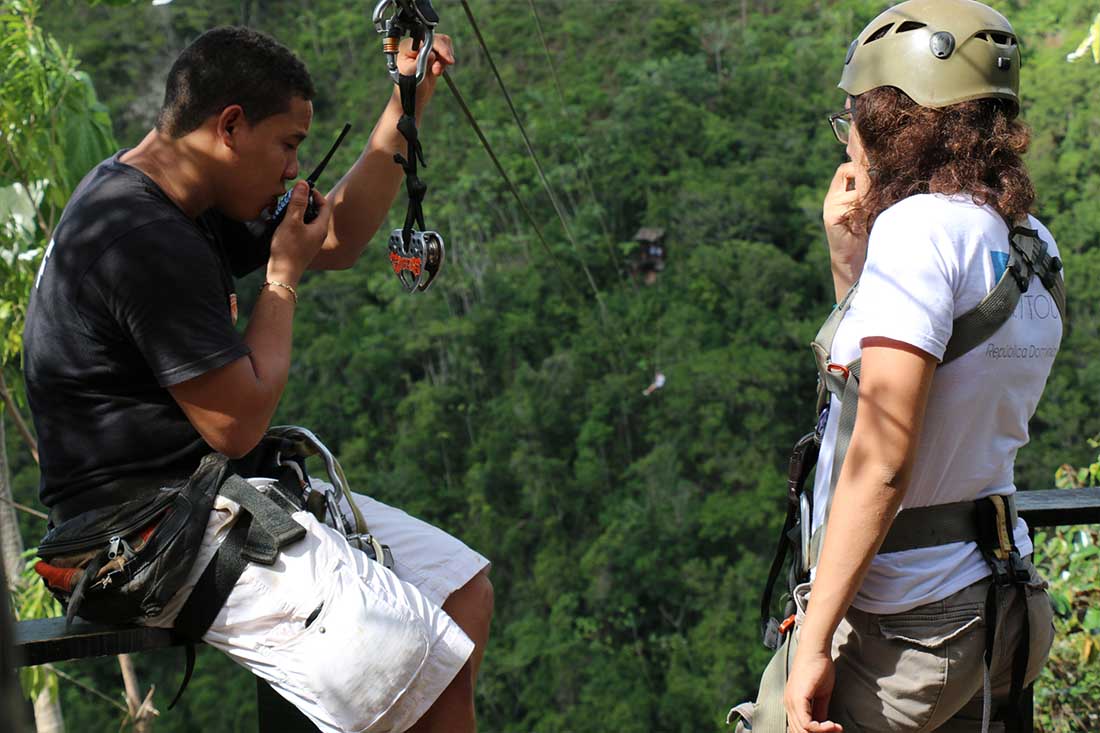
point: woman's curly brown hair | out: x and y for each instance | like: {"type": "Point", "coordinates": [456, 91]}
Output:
{"type": "Point", "coordinates": [973, 148]}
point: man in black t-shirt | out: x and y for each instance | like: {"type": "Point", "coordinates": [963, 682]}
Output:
{"type": "Point", "coordinates": [135, 371]}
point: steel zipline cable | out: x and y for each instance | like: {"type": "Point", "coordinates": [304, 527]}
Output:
{"type": "Point", "coordinates": [546, 49]}
{"type": "Point", "coordinates": [531, 153]}
{"type": "Point", "coordinates": [583, 167]}
{"type": "Point", "coordinates": [511, 186]}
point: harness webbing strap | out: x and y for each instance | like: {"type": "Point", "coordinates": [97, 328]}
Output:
{"type": "Point", "coordinates": [1027, 257]}
{"type": "Point", "coordinates": [941, 524]}
{"type": "Point", "coordinates": [273, 527]}
{"type": "Point", "coordinates": [211, 592]}
{"type": "Point", "coordinates": [262, 529]}
{"type": "Point", "coordinates": [932, 526]}
{"type": "Point", "coordinates": [832, 381]}
{"type": "Point", "coordinates": [414, 186]}
{"type": "Point", "coordinates": [849, 403]}
{"type": "Point", "coordinates": [768, 626]}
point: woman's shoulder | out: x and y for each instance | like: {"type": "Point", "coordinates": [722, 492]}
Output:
{"type": "Point", "coordinates": [927, 212]}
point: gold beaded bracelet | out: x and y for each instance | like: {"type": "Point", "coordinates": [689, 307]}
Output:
{"type": "Point", "coordinates": [293, 292]}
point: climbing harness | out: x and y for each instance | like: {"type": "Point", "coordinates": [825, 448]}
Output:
{"type": "Point", "coordinates": [416, 254]}
{"type": "Point", "coordinates": [989, 521]}
{"type": "Point", "coordinates": [304, 443]}
{"type": "Point", "coordinates": [117, 561]}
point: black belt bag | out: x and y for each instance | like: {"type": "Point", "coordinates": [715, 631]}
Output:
{"type": "Point", "coordinates": [122, 563]}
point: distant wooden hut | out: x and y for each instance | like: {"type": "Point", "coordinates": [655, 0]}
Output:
{"type": "Point", "coordinates": [649, 257]}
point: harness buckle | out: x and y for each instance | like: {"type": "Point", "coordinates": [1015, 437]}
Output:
{"type": "Point", "coordinates": [1010, 570]}
{"type": "Point", "coordinates": [1022, 279]}
{"type": "Point", "coordinates": [997, 545]}
{"type": "Point", "coordinates": [1049, 274]}
{"type": "Point", "coordinates": [372, 548]}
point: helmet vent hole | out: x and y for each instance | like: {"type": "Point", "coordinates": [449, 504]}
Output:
{"type": "Point", "coordinates": [879, 33]}
{"type": "Point", "coordinates": [910, 25]}
{"type": "Point", "coordinates": [1000, 39]}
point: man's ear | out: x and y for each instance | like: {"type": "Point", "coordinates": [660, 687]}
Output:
{"type": "Point", "coordinates": [230, 121]}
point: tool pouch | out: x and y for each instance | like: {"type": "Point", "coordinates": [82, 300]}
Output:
{"type": "Point", "coordinates": [122, 563]}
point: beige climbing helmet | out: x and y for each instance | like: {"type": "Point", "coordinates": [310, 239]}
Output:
{"type": "Point", "coordinates": [939, 52]}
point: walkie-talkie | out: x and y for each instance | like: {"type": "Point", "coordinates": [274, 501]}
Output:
{"type": "Point", "coordinates": [311, 208]}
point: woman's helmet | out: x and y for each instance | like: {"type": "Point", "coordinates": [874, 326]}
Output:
{"type": "Point", "coordinates": [939, 52]}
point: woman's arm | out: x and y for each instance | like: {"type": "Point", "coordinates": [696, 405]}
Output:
{"type": "Point", "coordinates": [847, 250]}
{"type": "Point", "coordinates": [893, 394]}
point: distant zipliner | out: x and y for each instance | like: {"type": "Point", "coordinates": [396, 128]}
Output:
{"type": "Point", "coordinates": [658, 382]}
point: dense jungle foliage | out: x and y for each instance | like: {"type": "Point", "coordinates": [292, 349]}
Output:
{"type": "Point", "coordinates": [629, 534]}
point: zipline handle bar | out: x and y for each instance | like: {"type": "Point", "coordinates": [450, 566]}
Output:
{"type": "Point", "coordinates": [414, 17]}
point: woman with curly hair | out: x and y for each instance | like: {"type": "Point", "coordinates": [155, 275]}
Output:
{"type": "Point", "coordinates": [925, 611]}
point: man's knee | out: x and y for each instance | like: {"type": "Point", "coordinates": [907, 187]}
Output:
{"type": "Point", "coordinates": [473, 602]}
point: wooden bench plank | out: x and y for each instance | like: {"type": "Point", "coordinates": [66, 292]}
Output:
{"type": "Point", "coordinates": [43, 640]}
{"type": "Point", "coordinates": [1059, 507]}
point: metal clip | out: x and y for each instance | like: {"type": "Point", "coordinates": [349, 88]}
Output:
{"type": "Point", "coordinates": [339, 519]}
{"type": "Point", "coordinates": [415, 17]}
{"type": "Point", "coordinates": [805, 522]}
{"type": "Point", "coordinates": [372, 548]}
{"type": "Point", "coordinates": [117, 546]}
{"type": "Point", "coordinates": [416, 265]}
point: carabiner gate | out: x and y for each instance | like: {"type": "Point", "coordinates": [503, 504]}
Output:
{"type": "Point", "coordinates": [414, 17]}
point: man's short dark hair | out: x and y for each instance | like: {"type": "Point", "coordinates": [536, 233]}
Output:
{"type": "Point", "coordinates": [226, 66]}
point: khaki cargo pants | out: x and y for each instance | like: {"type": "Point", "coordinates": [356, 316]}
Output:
{"type": "Point", "coordinates": [922, 670]}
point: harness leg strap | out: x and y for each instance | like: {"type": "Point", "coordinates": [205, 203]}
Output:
{"type": "Point", "coordinates": [272, 528]}
{"type": "Point", "coordinates": [210, 594]}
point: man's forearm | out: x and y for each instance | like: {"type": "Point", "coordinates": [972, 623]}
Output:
{"type": "Point", "coordinates": [269, 336]}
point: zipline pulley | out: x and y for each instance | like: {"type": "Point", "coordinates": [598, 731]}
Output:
{"type": "Point", "coordinates": [416, 255]}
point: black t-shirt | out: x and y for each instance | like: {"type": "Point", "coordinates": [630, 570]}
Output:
{"type": "Point", "coordinates": [133, 296]}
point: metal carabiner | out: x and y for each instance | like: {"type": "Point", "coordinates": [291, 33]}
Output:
{"type": "Point", "coordinates": [415, 17]}
{"type": "Point", "coordinates": [805, 520]}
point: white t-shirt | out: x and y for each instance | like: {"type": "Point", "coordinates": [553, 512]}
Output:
{"type": "Point", "coordinates": [930, 259]}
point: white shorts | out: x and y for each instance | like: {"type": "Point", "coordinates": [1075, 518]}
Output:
{"type": "Point", "coordinates": [379, 649]}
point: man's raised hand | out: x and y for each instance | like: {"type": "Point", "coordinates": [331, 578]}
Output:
{"type": "Point", "coordinates": [443, 55]}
